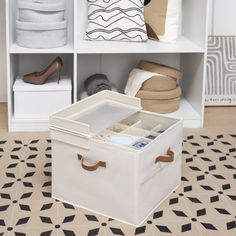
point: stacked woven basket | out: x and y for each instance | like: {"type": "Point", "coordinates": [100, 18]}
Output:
{"type": "Point", "coordinates": [41, 24]}
{"type": "Point", "coordinates": [161, 93]}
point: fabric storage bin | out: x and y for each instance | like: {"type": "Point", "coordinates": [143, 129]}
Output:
{"type": "Point", "coordinates": [91, 171]}
{"type": "Point", "coordinates": [162, 95]}
{"type": "Point", "coordinates": [159, 83]}
{"type": "Point", "coordinates": [38, 12]}
{"type": "Point", "coordinates": [42, 1]}
{"type": "Point", "coordinates": [161, 102]}
{"type": "Point", "coordinates": [41, 35]}
{"type": "Point", "coordinates": [167, 79]}
{"type": "Point", "coordinates": [40, 101]}
{"type": "Point", "coordinates": [161, 106]}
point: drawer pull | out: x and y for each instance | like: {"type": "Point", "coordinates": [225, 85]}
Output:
{"type": "Point", "coordinates": [92, 167]}
{"type": "Point", "coordinates": [169, 157]}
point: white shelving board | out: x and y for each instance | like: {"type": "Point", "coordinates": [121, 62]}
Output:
{"type": "Point", "coordinates": [183, 45]}
{"type": "Point", "coordinates": [16, 49]}
{"type": "Point", "coordinates": [188, 54]}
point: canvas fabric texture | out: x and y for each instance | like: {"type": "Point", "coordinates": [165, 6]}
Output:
{"type": "Point", "coordinates": [163, 19]}
{"type": "Point", "coordinates": [160, 93]}
{"type": "Point", "coordinates": [116, 20]}
{"type": "Point", "coordinates": [163, 95]}
{"type": "Point", "coordinates": [159, 83]}
{"type": "Point", "coordinates": [160, 105]}
{"type": "Point", "coordinates": [160, 69]}
{"type": "Point", "coordinates": [155, 17]}
{"type": "Point", "coordinates": [136, 78]}
{"type": "Point", "coordinates": [173, 21]}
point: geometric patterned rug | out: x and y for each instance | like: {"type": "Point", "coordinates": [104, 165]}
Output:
{"type": "Point", "coordinates": [204, 205]}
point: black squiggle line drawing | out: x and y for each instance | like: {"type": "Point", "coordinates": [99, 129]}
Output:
{"type": "Point", "coordinates": [101, 16]}
{"type": "Point", "coordinates": [128, 19]}
{"type": "Point", "coordinates": [122, 23]}
{"type": "Point", "coordinates": [116, 9]}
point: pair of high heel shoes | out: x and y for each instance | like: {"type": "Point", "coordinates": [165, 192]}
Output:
{"type": "Point", "coordinates": [41, 77]}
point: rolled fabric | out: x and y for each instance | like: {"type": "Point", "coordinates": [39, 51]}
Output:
{"type": "Point", "coordinates": [84, 94]}
{"type": "Point", "coordinates": [97, 83]}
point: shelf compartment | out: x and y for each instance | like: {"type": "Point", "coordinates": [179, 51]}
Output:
{"type": "Point", "coordinates": [188, 113]}
{"type": "Point", "coordinates": [183, 45]}
{"type": "Point", "coordinates": [13, 15]}
{"type": "Point", "coordinates": [118, 66]}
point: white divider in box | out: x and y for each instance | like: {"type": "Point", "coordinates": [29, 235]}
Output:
{"type": "Point", "coordinates": [118, 127]}
{"type": "Point", "coordinates": [136, 132]}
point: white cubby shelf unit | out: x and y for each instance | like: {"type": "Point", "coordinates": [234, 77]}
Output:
{"type": "Point", "coordinates": [116, 59]}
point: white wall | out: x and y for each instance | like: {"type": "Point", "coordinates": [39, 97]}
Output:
{"type": "Point", "coordinates": [223, 17]}
{"type": "Point", "coordinates": [3, 86]}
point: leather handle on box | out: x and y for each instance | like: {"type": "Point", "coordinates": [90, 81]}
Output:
{"type": "Point", "coordinates": [169, 157]}
{"type": "Point", "coordinates": [91, 167]}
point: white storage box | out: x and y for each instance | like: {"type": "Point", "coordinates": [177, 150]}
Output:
{"type": "Point", "coordinates": [38, 12]}
{"type": "Point", "coordinates": [113, 158]}
{"type": "Point", "coordinates": [41, 35]}
{"type": "Point", "coordinates": [43, 1]}
{"type": "Point", "coordinates": [40, 101]}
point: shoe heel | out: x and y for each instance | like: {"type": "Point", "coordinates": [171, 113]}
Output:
{"type": "Point", "coordinates": [58, 76]}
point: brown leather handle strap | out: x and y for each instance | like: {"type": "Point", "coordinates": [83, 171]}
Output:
{"type": "Point", "coordinates": [92, 167]}
{"type": "Point", "coordinates": [169, 157]}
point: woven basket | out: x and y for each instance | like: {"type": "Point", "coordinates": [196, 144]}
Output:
{"type": "Point", "coordinates": [161, 106]}
{"type": "Point", "coordinates": [161, 102]}
{"type": "Point", "coordinates": [166, 80]}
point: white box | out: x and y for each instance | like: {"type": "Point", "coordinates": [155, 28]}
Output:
{"type": "Point", "coordinates": [119, 181]}
{"type": "Point", "coordinates": [40, 101]}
